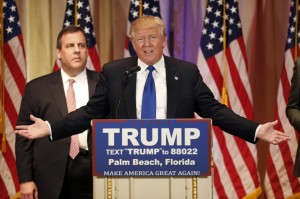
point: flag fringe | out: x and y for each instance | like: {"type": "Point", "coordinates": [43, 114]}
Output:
{"type": "Point", "coordinates": [16, 196]}
{"type": "Point", "coordinates": [294, 196]}
{"type": "Point", "coordinates": [3, 148]}
{"type": "Point", "coordinates": [255, 194]}
{"type": "Point", "coordinates": [224, 96]}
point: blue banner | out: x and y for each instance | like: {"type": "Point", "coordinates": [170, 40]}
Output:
{"type": "Point", "coordinates": [152, 147]}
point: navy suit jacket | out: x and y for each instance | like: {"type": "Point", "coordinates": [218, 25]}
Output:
{"type": "Point", "coordinates": [186, 94]}
{"type": "Point", "coordinates": [41, 160]}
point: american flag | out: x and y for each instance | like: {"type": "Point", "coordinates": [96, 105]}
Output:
{"type": "Point", "coordinates": [149, 7]}
{"type": "Point", "coordinates": [78, 13]}
{"type": "Point", "coordinates": [235, 160]}
{"type": "Point", "coordinates": [279, 180]}
{"type": "Point", "coordinates": [14, 74]}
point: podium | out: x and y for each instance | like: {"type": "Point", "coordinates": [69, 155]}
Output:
{"type": "Point", "coordinates": [134, 159]}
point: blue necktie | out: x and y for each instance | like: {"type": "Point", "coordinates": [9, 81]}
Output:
{"type": "Point", "coordinates": [149, 97]}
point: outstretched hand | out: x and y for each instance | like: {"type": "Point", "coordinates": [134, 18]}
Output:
{"type": "Point", "coordinates": [37, 130]}
{"type": "Point", "coordinates": [270, 135]}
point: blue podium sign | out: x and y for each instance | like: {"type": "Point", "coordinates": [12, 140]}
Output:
{"type": "Point", "coordinates": [152, 147]}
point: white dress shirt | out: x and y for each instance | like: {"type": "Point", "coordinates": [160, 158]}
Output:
{"type": "Point", "coordinates": [159, 76]}
{"type": "Point", "coordinates": [81, 90]}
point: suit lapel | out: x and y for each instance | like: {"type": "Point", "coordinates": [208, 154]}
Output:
{"type": "Point", "coordinates": [173, 80]}
{"type": "Point", "coordinates": [58, 93]}
{"type": "Point", "coordinates": [92, 82]}
{"type": "Point", "coordinates": [130, 91]}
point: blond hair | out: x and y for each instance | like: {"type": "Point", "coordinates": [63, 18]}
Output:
{"type": "Point", "coordinates": [147, 21]}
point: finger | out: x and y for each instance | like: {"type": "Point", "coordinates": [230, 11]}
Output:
{"type": "Point", "coordinates": [33, 118]}
{"type": "Point", "coordinates": [22, 127]}
{"type": "Point", "coordinates": [36, 195]}
{"type": "Point", "coordinates": [273, 124]}
{"type": "Point", "coordinates": [283, 136]}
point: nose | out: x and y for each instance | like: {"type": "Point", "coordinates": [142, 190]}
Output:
{"type": "Point", "coordinates": [147, 41]}
{"type": "Point", "coordinates": [76, 49]}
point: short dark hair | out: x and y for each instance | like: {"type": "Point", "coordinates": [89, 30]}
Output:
{"type": "Point", "coordinates": [69, 29]}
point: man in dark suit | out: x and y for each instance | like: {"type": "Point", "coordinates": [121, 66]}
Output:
{"type": "Point", "coordinates": [45, 168]}
{"type": "Point", "coordinates": [180, 91]}
{"type": "Point", "coordinates": [293, 110]}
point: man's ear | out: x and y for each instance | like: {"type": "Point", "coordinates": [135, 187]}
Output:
{"type": "Point", "coordinates": [58, 55]}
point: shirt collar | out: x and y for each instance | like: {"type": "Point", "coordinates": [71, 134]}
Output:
{"type": "Point", "coordinates": [159, 66]}
{"type": "Point", "coordinates": [78, 78]}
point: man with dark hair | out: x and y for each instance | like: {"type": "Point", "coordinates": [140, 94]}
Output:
{"type": "Point", "coordinates": [50, 170]}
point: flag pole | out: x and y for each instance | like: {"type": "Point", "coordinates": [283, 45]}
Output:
{"type": "Point", "coordinates": [224, 89]}
{"type": "Point", "coordinates": [2, 112]}
{"type": "Point", "coordinates": [75, 12]}
{"type": "Point", "coordinates": [141, 9]}
{"type": "Point", "coordinates": [296, 32]}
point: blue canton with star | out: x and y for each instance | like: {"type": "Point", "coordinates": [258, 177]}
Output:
{"type": "Point", "coordinates": [150, 7]}
{"type": "Point", "coordinates": [290, 40]}
{"type": "Point", "coordinates": [84, 19]}
{"type": "Point", "coordinates": [11, 20]}
{"type": "Point", "coordinates": [212, 32]}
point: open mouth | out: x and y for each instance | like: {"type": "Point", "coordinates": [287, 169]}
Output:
{"type": "Point", "coordinates": [148, 52]}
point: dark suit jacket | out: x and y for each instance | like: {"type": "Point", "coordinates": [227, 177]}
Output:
{"type": "Point", "coordinates": [293, 110]}
{"type": "Point", "coordinates": [41, 160]}
{"type": "Point", "coordinates": [186, 94]}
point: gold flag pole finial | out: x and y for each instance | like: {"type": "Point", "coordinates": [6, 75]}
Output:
{"type": "Point", "coordinates": [224, 89]}
{"type": "Point", "coordinates": [2, 111]}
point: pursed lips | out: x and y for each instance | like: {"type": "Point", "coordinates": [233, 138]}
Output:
{"type": "Point", "coordinates": [76, 59]}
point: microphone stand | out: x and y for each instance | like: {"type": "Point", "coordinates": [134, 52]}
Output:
{"type": "Point", "coordinates": [121, 95]}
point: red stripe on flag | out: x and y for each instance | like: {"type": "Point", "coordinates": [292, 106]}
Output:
{"type": "Point", "coordinates": [285, 84]}
{"type": "Point", "coordinates": [215, 72]}
{"type": "Point", "coordinates": [11, 164]}
{"type": "Point", "coordinates": [20, 37]}
{"type": "Point", "coordinates": [229, 164]}
{"type": "Point", "coordinates": [3, 190]}
{"type": "Point", "coordinates": [10, 109]}
{"type": "Point", "coordinates": [56, 67]}
{"type": "Point", "coordinates": [239, 85]}
{"type": "Point", "coordinates": [95, 58]}
{"type": "Point", "coordinates": [217, 183]}
{"type": "Point", "coordinates": [242, 46]}
{"type": "Point", "coordinates": [126, 42]}
{"type": "Point", "coordinates": [248, 159]}
{"type": "Point", "coordinates": [288, 160]}
{"type": "Point", "coordinates": [14, 67]}
{"type": "Point", "coordinates": [273, 177]}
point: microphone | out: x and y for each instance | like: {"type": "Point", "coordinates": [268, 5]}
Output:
{"type": "Point", "coordinates": [132, 70]}
{"type": "Point", "coordinates": [127, 73]}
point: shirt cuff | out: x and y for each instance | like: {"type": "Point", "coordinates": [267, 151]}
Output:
{"type": "Point", "coordinates": [256, 131]}
{"type": "Point", "coordinates": [50, 136]}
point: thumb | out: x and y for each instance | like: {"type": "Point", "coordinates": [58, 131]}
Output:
{"type": "Point", "coordinates": [274, 123]}
{"type": "Point", "coordinates": [33, 118]}
{"type": "Point", "coordinates": [36, 195]}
